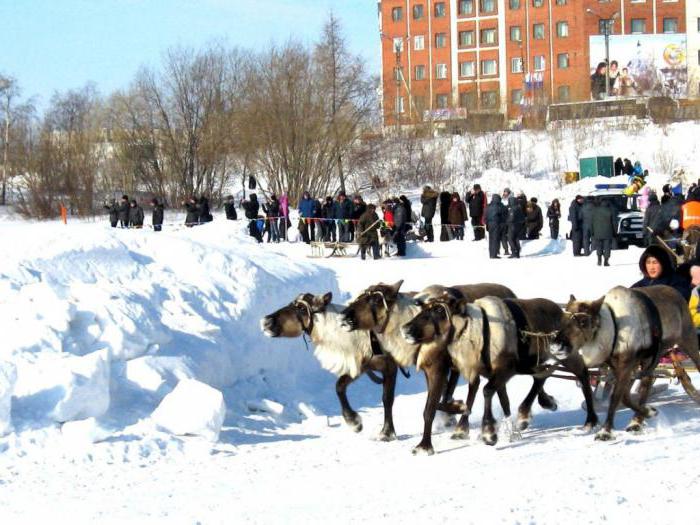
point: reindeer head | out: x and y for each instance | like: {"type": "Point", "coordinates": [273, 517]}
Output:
{"type": "Point", "coordinates": [579, 327]}
{"type": "Point", "coordinates": [370, 309]}
{"type": "Point", "coordinates": [435, 321]}
{"type": "Point", "coordinates": [295, 318]}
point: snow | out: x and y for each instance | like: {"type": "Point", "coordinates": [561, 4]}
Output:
{"type": "Point", "coordinates": [145, 390]}
{"type": "Point", "coordinates": [192, 409]}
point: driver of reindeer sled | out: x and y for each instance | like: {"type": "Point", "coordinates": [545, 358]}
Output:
{"type": "Point", "coordinates": [658, 268]}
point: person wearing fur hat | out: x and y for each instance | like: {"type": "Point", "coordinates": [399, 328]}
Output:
{"type": "Point", "coordinates": [657, 267]}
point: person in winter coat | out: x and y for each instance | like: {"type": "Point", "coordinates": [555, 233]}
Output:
{"type": "Point", "coordinates": [653, 220]}
{"type": "Point", "coordinates": [445, 199]}
{"type": "Point", "coordinates": [401, 218]}
{"type": "Point", "coordinates": [204, 210]}
{"type": "Point", "coordinates": [343, 211]}
{"type": "Point", "coordinates": [284, 216]}
{"type": "Point", "coordinates": [124, 212]}
{"type": "Point", "coordinates": [576, 220]}
{"type": "Point", "coordinates": [496, 216]}
{"type": "Point", "coordinates": [252, 208]}
{"type": "Point", "coordinates": [603, 230]}
{"type": "Point", "coordinates": [328, 223]}
{"type": "Point", "coordinates": [627, 168]}
{"type": "Point", "coordinates": [192, 217]}
{"type": "Point", "coordinates": [534, 219]}
{"type": "Point", "coordinates": [135, 215]}
{"type": "Point", "coordinates": [113, 208]}
{"type": "Point", "coordinates": [272, 213]}
{"type": "Point", "coordinates": [157, 215]}
{"type": "Point", "coordinates": [230, 208]}
{"type": "Point", "coordinates": [409, 212]}
{"type": "Point", "coordinates": [457, 216]}
{"type": "Point", "coordinates": [554, 214]}
{"type": "Point", "coordinates": [516, 224]}
{"type": "Point", "coordinates": [358, 208]}
{"type": "Point", "coordinates": [587, 215]}
{"type": "Point", "coordinates": [429, 201]}
{"type": "Point", "coordinates": [505, 198]}
{"type": "Point", "coordinates": [306, 215]}
{"type": "Point", "coordinates": [657, 268]}
{"type": "Point", "coordinates": [671, 208]}
{"type": "Point", "coordinates": [477, 204]}
{"type": "Point", "coordinates": [619, 166]}
{"type": "Point", "coordinates": [367, 227]}
{"type": "Point", "coordinates": [388, 213]}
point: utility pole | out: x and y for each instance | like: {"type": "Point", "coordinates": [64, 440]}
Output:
{"type": "Point", "coordinates": [397, 50]}
{"type": "Point", "coordinates": [5, 86]}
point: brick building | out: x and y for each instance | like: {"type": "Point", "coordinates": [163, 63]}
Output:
{"type": "Point", "coordinates": [444, 59]}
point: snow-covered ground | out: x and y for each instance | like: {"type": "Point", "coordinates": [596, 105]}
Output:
{"type": "Point", "coordinates": [100, 326]}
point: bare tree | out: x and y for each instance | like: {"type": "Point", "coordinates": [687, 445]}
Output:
{"type": "Point", "coordinates": [9, 90]}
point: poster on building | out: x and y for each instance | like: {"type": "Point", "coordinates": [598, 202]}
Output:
{"type": "Point", "coordinates": [640, 65]}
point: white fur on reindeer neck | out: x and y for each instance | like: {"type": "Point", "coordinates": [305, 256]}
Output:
{"type": "Point", "coordinates": [340, 352]}
{"type": "Point", "coordinates": [402, 311]}
{"type": "Point", "coordinates": [597, 351]}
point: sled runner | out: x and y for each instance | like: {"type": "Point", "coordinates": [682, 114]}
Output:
{"type": "Point", "coordinates": [333, 249]}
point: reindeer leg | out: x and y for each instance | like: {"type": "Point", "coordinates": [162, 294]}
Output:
{"type": "Point", "coordinates": [546, 401]}
{"type": "Point", "coordinates": [525, 408]}
{"type": "Point", "coordinates": [578, 368]}
{"type": "Point", "coordinates": [435, 375]}
{"type": "Point", "coordinates": [462, 429]}
{"type": "Point", "coordinates": [387, 366]}
{"type": "Point", "coordinates": [488, 424]}
{"type": "Point", "coordinates": [622, 385]}
{"type": "Point", "coordinates": [641, 410]}
{"type": "Point", "coordinates": [351, 417]}
{"type": "Point", "coordinates": [448, 404]}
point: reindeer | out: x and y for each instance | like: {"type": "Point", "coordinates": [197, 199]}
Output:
{"type": "Point", "coordinates": [384, 310]}
{"type": "Point", "coordinates": [497, 338]}
{"type": "Point", "coordinates": [628, 329]}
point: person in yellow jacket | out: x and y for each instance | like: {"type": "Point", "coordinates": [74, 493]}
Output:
{"type": "Point", "coordinates": [694, 303]}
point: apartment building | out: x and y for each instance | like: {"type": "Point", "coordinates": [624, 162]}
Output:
{"type": "Point", "coordinates": [444, 59]}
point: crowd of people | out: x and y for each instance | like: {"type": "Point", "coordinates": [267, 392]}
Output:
{"type": "Point", "coordinates": [127, 213]}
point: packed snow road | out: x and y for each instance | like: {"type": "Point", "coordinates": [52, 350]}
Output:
{"type": "Point", "coordinates": [186, 305]}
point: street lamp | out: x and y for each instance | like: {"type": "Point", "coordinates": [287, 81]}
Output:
{"type": "Point", "coordinates": [607, 27]}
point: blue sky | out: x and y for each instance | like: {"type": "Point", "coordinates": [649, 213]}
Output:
{"type": "Point", "coordinates": [50, 45]}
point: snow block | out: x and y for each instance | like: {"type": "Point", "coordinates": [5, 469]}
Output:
{"type": "Point", "coordinates": [8, 377]}
{"type": "Point", "coordinates": [84, 432]}
{"type": "Point", "coordinates": [192, 408]}
{"type": "Point", "coordinates": [86, 388]}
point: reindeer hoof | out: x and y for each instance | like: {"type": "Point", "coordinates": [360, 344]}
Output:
{"type": "Point", "coordinates": [634, 427]}
{"type": "Point", "coordinates": [490, 439]}
{"type": "Point", "coordinates": [524, 422]}
{"type": "Point", "coordinates": [547, 402]}
{"type": "Point", "coordinates": [386, 436]}
{"type": "Point", "coordinates": [460, 433]}
{"type": "Point", "coordinates": [651, 411]}
{"type": "Point", "coordinates": [354, 422]}
{"type": "Point", "coordinates": [604, 435]}
{"type": "Point", "coordinates": [588, 426]}
{"type": "Point", "coordinates": [423, 450]}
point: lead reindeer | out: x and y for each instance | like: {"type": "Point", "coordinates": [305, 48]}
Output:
{"type": "Point", "coordinates": [497, 339]}
{"type": "Point", "coordinates": [628, 329]}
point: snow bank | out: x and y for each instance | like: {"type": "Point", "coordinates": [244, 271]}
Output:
{"type": "Point", "coordinates": [8, 376]}
{"type": "Point", "coordinates": [192, 409]}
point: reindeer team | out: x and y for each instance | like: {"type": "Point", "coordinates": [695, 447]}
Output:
{"type": "Point", "coordinates": [483, 330]}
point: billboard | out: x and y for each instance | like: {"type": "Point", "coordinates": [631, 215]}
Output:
{"type": "Point", "coordinates": [640, 65]}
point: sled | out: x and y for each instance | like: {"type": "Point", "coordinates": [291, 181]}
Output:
{"type": "Point", "coordinates": [333, 249]}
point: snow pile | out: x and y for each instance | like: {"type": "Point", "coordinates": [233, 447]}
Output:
{"type": "Point", "coordinates": [192, 409]}
{"type": "Point", "coordinates": [8, 376]}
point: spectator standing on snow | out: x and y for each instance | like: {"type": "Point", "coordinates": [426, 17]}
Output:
{"type": "Point", "coordinates": [230, 208]}
{"type": "Point", "coordinates": [124, 211]}
{"type": "Point", "coordinates": [496, 216]}
{"type": "Point", "coordinates": [603, 230]}
{"type": "Point", "coordinates": [157, 215]}
{"type": "Point", "coordinates": [367, 227]}
{"type": "Point", "coordinates": [272, 212]}
{"type": "Point", "coordinates": [343, 211]}
{"type": "Point", "coordinates": [429, 201]}
{"type": "Point", "coordinates": [401, 218]}
{"type": "Point", "coordinates": [135, 215]}
{"type": "Point", "coordinates": [534, 219]}
{"type": "Point", "coordinates": [445, 233]}
{"type": "Point", "coordinates": [457, 216]}
{"type": "Point", "coordinates": [252, 208]}
{"type": "Point", "coordinates": [192, 217]}
{"type": "Point", "coordinates": [554, 214]}
{"type": "Point", "coordinates": [587, 216]}
{"type": "Point", "coordinates": [204, 210]}
{"type": "Point", "coordinates": [306, 214]}
{"type": "Point", "coordinates": [627, 168]}
{"type": "Point", "coordinates": [358, 208]}
{"type": "Point", "coordinates": [576, 220]}
{"type": "Point", "coordinates": [477, 204]}
{"type": "Point", "coordinates": [516, 224]}
{"type": "Point", "coordinates": [505, 198]}
{"type": "Point", "coordinates": [284, 216]}
{"type": "Point", "coordinates": [113, 208]}
{"type": "Point", "coordinates": [653, 220]}
{"type": "Point", "coordinates": [619, 166]}
{"type": "Point", "coordinates": [328, 222]}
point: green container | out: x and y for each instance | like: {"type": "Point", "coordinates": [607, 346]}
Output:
{"type": "Point", "coordinates": [595, 166]}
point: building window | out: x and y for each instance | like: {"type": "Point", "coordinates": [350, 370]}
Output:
{"type": "Point", "coordinates": [439, 9]}
{"type": "Point", "coordinates": [441, 101]}
{"type": "Point", "coordinates": [515, 34]}
{"type": "Point", "coordinates": [563, 94]}
{"type": "Point", "coordinates": [637, 1]}
{"type": "Point", "coordinates": [537, 3]}
{"type": "Point", "coordinates": [417, 11]}
{"type": "Point", "coordinates": [488, 36]}
{"type": "Point", "coordinates": [398, 104]}
{"type": "Point", "coordinates": [638, 25]}
{"type": "Point", "coordinates": [670, 25]}
{"type": "Point", "coordinates": [489, 99]}
{"type": "Point", "coordinates": [488, 67]}
{"type": "Point", "coordinates": [514, 4]}
{"type": "Point", "coordinates": [467, 99]}
{"type": "Point", "coordinates": [539, 63]}
{"type": "Point", "coordinates": [441, 71]}
{"type": "Point", "coordinates": [538, 31]}
{"type": "Point", "coordinates": [466, 38]}
{"type": "Point", "coordinates": [398, 44]}
{"type": "Point", "coordinates": [418, 43]}
{"type": "Point", "coordinates": [563, 60]}
{"type": "Point", "coordinates": [419, 73]}
{"type": "Point", "coordinates": [487, 6]}
{"type": "Point", "coordinates": [562, 29]}
{"type": "Point", "coordinates": [561, 2]}
{"type": "Point", "coordinates": [398, 73]}
{"type": "Point", "coordinates": [466, 7]}
{"type": "Point", "coordinates": [440, 39]}
{"type": "Point", "coordinates": [516, 96]}
{"type": "Point", "coordinates": [397, 14]}
{"type": "Point", "coordinates": [467, 69]}
{"type": "Point", "coordinates": [516, 65]}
